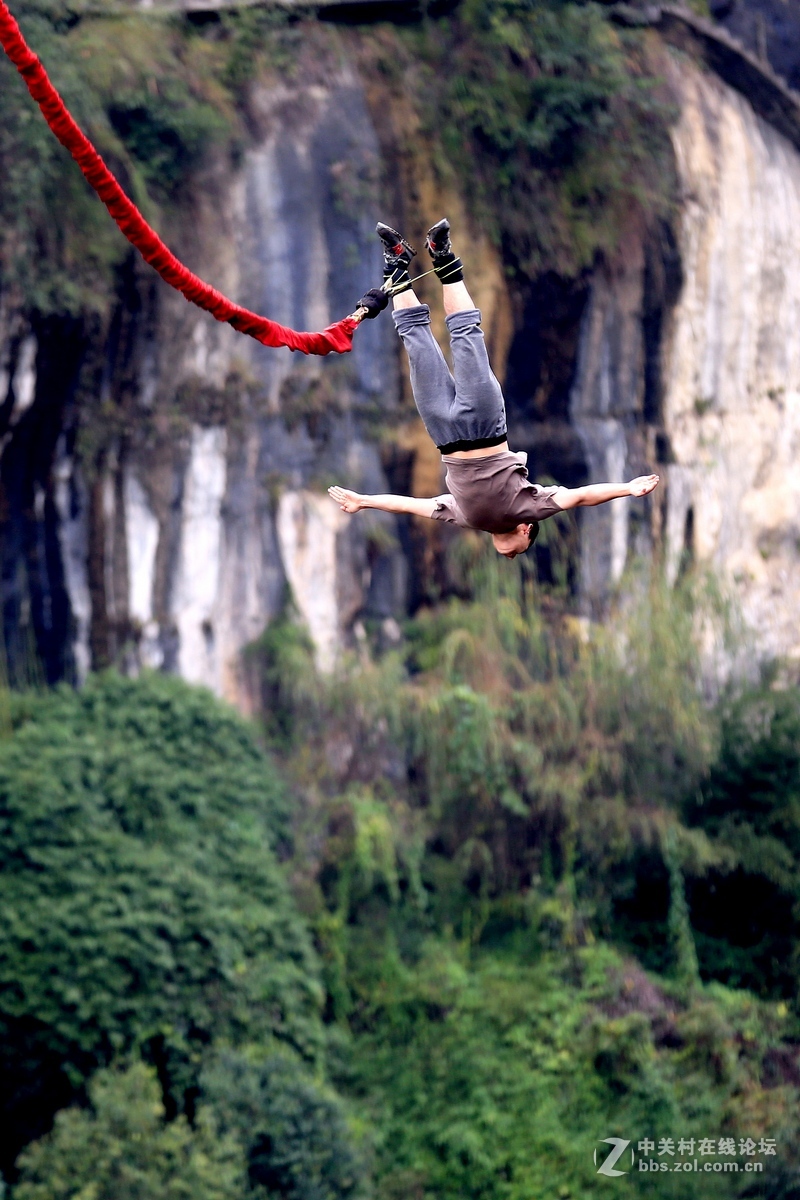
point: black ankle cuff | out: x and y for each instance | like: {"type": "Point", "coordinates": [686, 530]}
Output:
{"type": "Point", "coordinates": [396, 282]}
{"type": "Point", "coordinates": [449, 269]}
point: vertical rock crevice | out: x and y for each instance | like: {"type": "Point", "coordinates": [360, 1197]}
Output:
{"type": "Point", "coordinates": [41, 383]}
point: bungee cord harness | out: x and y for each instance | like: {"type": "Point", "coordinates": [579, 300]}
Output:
{"type": "Point", "coordinates": [336, 339]}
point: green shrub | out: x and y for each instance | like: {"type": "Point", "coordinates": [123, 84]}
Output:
{"type": "Point", "coordinates": [560, 118]}
{"type": "Point", "coordinates": [295, 1133]}
{"type": "Point", "coordinates": [746, 911]}
{"type": "Point", "coordinates": [499, 1079]}
{"type": "Point", "coordinates": [517, 751]}
{"type": "Point", "coordinates": [121, 1149]}
{"type": "Point", "coordinates": [143, 903]}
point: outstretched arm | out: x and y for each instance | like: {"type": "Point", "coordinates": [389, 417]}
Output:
{"type": "Point", "coordinates": [599, 493]}
{"type": "Point", "coordinates": [352, 502]}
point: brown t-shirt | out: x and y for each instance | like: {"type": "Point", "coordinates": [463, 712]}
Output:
{"type": "Point", "coordinates": [492, 493]}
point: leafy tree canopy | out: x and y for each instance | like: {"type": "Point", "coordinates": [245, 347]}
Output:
{"type": "Point", "coordinates": [143, 903]}
{"type": "Point", "coordinates": [122, 1150]}
{"type": "Point", "coordinates": [295, 1132]}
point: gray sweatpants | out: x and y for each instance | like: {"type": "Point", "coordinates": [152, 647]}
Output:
{"type": "Point", "coordinates": [467, 405]}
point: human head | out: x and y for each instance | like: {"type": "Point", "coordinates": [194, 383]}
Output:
{"type": "Point", "coordinates": [516, 541]}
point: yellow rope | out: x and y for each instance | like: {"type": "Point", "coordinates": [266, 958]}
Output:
{"type": "Point", "coordinates": [403, 287]}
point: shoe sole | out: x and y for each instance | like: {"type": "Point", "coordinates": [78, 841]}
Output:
{"type": "Point", "coordinates": [429, 246]}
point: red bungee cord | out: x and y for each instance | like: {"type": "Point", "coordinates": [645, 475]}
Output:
{"type": "Point", "coordinates": [337, 338]}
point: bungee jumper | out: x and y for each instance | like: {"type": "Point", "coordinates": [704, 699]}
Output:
{"type": "Point", "coordinates": [464, 412]}
{"type": "Point", "coordinates": [337, 338]}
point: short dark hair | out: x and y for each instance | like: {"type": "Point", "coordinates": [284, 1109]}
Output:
{"type": "Point", "coordinates": [534, 533]}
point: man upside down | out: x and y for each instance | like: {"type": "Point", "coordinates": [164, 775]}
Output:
{"type": "Point", "coordinates": [464, 412]}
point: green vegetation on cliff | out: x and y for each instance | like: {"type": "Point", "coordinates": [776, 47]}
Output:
{"type": "Point", "coordinates": [747, 916]}
{"type": "Point", "coordinates": [559, 120]}
{"type": "Point", "coordinates": [502, 799]}
{"type": "Point", "coordinates": [552, 120]}
{"type": "Point", "coordinates": [497, 1073]}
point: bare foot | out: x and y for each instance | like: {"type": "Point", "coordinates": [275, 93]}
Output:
{"type": "Point", "coordinates": [643, 486]}
{"type": "Point", "coordinates": [349, 502]}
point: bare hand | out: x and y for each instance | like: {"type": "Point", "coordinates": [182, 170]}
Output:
{"type": "Point", "coordinates": [349, 502]}
{"type": "Point", "coordinates": [643, 486]}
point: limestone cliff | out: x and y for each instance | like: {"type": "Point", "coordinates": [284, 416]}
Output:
{"type": "Point", "coordinates": [718, 409]}
{"type": "Point", "coordinates": [732, 371]}
{"type": "Point", "coordinates": [209, 499]}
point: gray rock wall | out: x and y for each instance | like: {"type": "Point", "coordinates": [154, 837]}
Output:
{"type": "Point", "coordinates": [723, 413]}
{"type": "Point", "coordinates": [210, 499]}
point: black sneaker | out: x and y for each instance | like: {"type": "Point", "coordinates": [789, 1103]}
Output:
{"type": "Point", "coordinates": [448, 268]}
{"type": "Point", "coordinates": [397, 254]}
{"type": "Point", "coordinates": [437, 240]}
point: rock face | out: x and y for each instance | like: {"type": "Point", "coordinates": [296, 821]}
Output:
{"type": "Point", "coordinates": [732, 372]}
{"type": "Point", "coordinates": [178, 549]}
{"type": "Point", "coordinates": [176, 542]}
{"type": "Point", "coordinates": [718, 409]}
